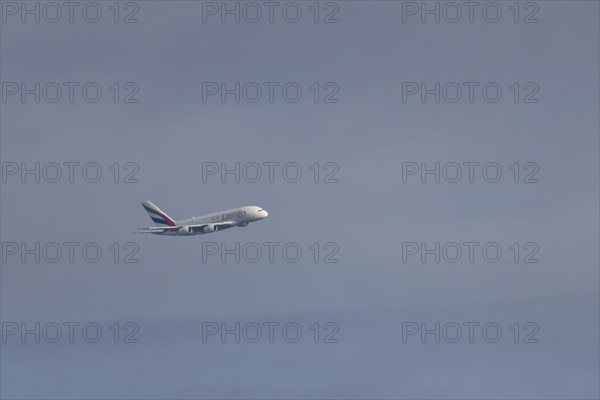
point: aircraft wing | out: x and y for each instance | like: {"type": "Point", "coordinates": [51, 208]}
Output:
{"type": "Point", "coordinates": [193, 228]}
{"type": "Point", "coordinates": [157, 229]}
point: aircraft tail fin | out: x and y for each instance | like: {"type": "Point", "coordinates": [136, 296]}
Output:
{"type": "Point", "coordinates": [157, 215]}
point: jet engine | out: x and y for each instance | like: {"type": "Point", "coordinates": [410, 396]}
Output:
{"type": "Point", "coordinates": [210, 228]}
{"type": "Point", "coordinates": [185, 230]}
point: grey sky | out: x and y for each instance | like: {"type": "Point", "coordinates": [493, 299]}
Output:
{"type": "Point", "coordinates": [369, 133]}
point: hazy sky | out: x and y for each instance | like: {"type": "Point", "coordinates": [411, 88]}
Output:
{"type": "Point", "coordinates": [373, 74]}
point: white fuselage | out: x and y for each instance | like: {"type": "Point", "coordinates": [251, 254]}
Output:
{"type": "Point", "coordinates": [241, 216]}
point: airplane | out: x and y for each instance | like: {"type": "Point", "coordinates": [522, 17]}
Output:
{"type": "Point", "coordinates": [209, 223]}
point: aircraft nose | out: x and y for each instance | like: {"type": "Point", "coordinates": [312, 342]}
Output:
{"type": "Point", "coordinates": [266, 214]}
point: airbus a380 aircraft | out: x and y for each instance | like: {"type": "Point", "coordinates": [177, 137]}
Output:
{"type": "Point", "coordinates": [204, 224]}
